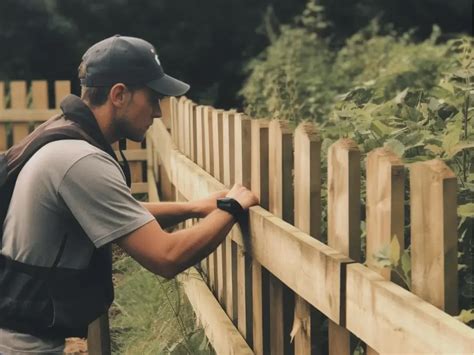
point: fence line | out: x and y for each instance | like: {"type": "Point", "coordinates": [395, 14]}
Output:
{"type": "Point", "coordinates": [285, 277]}
{"type": "Point", "coordinates": [271, 277]}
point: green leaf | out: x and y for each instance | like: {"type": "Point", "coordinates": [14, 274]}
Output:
{"type": "Point", "coordinates": [459, 148]}
{"type": "Point", "coordinates": [466, 315]}
{"type": "Point", "coordinates": [434, 148]}
{"type": "Point", "coordinates": [406, 263]}
{"type": "Point", "coordinates": [395, 146]}
{"type": "Point", "coordinates": [380, 129]}
{"type": "Point", "coordinates": [451, 140]}
{"type": "Point", "coordinates": [466, 210]}
{"type": "Point", "coordinates": [395, 251]}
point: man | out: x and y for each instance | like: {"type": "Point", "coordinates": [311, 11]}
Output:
{"type": "Point", "coordinates": [71, 201]}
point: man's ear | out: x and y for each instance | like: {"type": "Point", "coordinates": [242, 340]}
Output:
{"type": "Point", "coordinates": [119, 95]}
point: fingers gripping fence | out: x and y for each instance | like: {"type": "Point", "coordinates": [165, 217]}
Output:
{"type": "Point", "coordinates": [274, 278]}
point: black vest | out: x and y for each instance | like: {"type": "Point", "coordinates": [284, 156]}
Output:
{"type": "Point", "coordinates": [53, 301]}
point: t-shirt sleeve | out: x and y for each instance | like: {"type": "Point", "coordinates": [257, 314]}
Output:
{"type": "Point", "coordinates": [95, 192]}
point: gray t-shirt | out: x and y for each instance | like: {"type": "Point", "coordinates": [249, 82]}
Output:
{"type": "Point", "coordinates": [68, 187]}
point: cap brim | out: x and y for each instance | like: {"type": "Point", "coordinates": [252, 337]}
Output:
{"type": "Point", "coordinates": [168, 86]}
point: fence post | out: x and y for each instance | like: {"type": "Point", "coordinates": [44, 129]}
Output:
{"type": "Point", "coordinates": [281, 202]}
{"type": "Point", "coordinates": [39, 96]}
{"type": "Point", "coordinates": [384, 206]}
{"type": "Point", "coordinates": [307, 182]}
{"type": "Point", "coordinates": [62, 88]}
{"type": "Point", "coordinates": [259, 186]}
{"type": "Point", "coordinates": [18, 101]}
{"type": "Point", "coordinates": [230, 254]}
{"type": "Point", "coordinates": [98, 336]}
{"type": "Point", "coordinates": [200, 136]}
{"type": "Point", "coordinates": [434, 234]}
{"type": "Point", "coordinates": [209, 167]}
{"type": "Point", "coordinates": [242, 176]}
{"type": "Point", "coordinates": [343, 221]}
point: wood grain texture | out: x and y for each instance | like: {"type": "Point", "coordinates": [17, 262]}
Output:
{"type": "Point", "coordinates": [62, 88]}
{"type": "Point", "coordinates": [392, 320]}
{"type": "Point", "coordinates": [307, 182]}
{"type": "Point", "coordinates": [19, 101]}
{"type": "Point", "coordinates": [434, 234]}
{"type": "Point", "coordinates": [259, 161]}
{"type": "Point", "coordinates": [343, 219]}
{"type": "Point", "coordinates": [220, 331]}
{"type": "Point", "coordinates": [385, 210]}
{"type": "Point", "coordinates": [39, 94]}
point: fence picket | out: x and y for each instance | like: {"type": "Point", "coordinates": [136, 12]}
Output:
{"type": "Point", "coordinates": [19, 101]}
{"type": "Point", "coordinates": [434, 234]}
{"type": "Point", "coordinates": [307, 182]}
{"type": "Point", "coordinates": [281, 202]}
{"type": "Point", "coordinates": [230, 249]}
{"type": "Point", "coordinates": [259, 186]}
{"type": "Point", "coordinates": [385, 214]}
{"type": "Point", "coordinates": [343, 220]}
{"type": "Point", "coordinates": [62, 88]}
{"type": "Point", "coordinates": [241, 174]}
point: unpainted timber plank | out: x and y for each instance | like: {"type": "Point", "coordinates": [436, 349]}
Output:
{"type": "Point", "coordinates": [219, 329]}
{"type": "Point", "coordinates": [392, 320]}
{"type": "Point", "coordinates": [434, 234]}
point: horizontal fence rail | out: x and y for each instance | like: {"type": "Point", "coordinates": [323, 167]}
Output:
{"type": "Point", "coordinates": [274, 276]}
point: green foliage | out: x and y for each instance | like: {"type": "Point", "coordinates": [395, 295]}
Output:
{"type": "Point", "coordinates": [416, 98]}
{"type": "Point", "coordinates": [151, 315]}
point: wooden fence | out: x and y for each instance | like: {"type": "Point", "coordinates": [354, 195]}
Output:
{"type": "Point", "coordinates": [274, 277]}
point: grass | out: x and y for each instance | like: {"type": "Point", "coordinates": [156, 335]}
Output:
{"type": "Point", "coordinates": [151, 315]}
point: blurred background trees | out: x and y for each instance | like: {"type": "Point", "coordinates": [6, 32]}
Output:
{"type": "Point", "coordinates": [207, 43]}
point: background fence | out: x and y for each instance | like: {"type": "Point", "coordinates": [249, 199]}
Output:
{"type": "Point", "coordinates": [273, 276]}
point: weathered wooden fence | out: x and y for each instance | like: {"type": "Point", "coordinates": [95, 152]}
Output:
{"type": "Point", "coordinates": [273, 276]}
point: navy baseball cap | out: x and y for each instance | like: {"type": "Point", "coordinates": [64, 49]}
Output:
{"type": "Point", "coordinates": [128, 60]}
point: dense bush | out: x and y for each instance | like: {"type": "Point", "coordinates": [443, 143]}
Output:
{"type": "Point", "coordinates": [379, 89]}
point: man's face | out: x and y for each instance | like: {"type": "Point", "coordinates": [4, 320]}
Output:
{"type": "Point", "coordinates": [137, 116]}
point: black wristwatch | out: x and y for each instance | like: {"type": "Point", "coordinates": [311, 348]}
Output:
{"type": "Point", "coordinates": [230, 205]}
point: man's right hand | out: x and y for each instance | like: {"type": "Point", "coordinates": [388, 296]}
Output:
{"type": "Point", "coordinates": [244, 196]}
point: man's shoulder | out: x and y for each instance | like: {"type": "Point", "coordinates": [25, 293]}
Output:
{"type": "Point", "coordinates": [59, 156]}
{"type": "Point", "coordinates": [67, 151]}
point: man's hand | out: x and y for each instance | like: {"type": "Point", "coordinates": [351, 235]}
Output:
{"type": "Point", "coordinates": [244, 196]}
{"type": "Point", "coordinates": [205, 206]}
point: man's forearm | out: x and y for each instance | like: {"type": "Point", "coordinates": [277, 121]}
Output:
{"type": "Point", "coordinates": [171, 213]}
